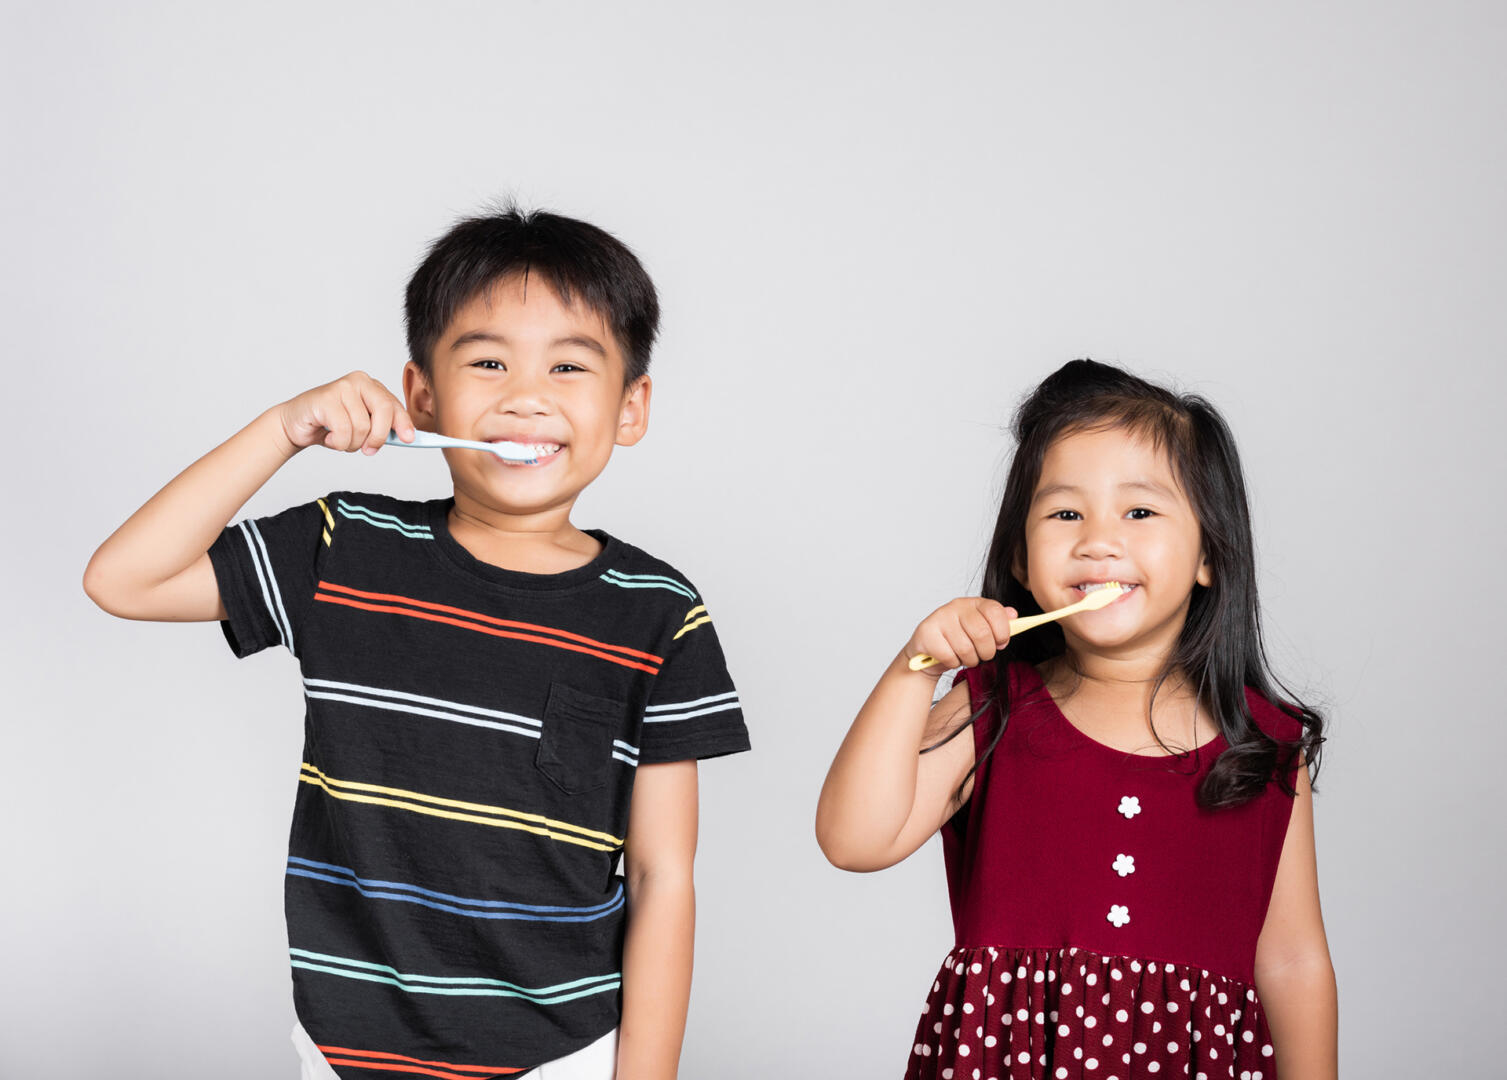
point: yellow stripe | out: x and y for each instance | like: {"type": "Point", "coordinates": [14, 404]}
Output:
{"type": "Point", "coordinates": [686, 629]}
{"type": "Point", "coordinates": [326, 535]}
{"type": "Point", "coordinates": [324, 781]}
{"type": "Point", "coordinates": [697, 610]}
{"type": "Point", "coordinates": [327, 516]}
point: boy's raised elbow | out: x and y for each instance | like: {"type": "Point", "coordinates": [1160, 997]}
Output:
{"type": "Point", "coordinates": [100, 586]}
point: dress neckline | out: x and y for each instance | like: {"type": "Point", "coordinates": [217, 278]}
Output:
{"type": "Point", "coordinates": [1217, 743]}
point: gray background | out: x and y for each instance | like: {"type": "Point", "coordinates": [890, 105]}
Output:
{"type": "Point", "coordinates": [873, 227]}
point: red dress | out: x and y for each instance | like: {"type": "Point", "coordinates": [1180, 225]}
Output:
{"type": "Point", "coordinates": [1106, 925]}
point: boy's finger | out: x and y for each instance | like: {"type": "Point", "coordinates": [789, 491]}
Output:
{"type": "Point", "coordinates": [402, 423]}
{"type": "Point", "coordinates": [381, 425]}
{"type": "Point", "coordinates": [360, 416]}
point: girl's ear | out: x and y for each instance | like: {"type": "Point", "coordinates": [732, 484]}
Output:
{"type": "Point", "coordinates": [1205, 575]}
{"type": "Point", "coordinates": [419, 396]}
{"type": "Point", "coordinates": [1018, 572]}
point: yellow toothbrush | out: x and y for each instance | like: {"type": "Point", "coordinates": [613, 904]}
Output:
{"type": "Point", "coordinates": [1101, 597]}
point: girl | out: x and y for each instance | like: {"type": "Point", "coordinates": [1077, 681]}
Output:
{"type": "Point", "coordinates": [1124, 801]}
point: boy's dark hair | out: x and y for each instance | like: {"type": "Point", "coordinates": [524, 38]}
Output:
{"type": "Point", "coordinates": [580, 262]}
{"type": "Point", "coordinates": [1220, 649]}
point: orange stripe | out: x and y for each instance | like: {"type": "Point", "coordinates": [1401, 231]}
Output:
{"type": "Point", "coordinates": [327, 1050]}
{"type": "Point", "coordinates": [358, 1063]}
{"type": "Point", "coordinates": [485, 630]}
{"type": "Point", "coordinates": [427, 605]}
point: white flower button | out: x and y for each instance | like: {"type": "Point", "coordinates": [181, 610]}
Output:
{"type": "Point", "coordinates": [1119, 914]}
{"type": "Point", "coordinates": [1124, 864]}
{"type": "Point", "coordinates": [1130, 806]}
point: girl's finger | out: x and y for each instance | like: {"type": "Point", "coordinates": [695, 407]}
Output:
{"type": "Point", "coordinates": [980, 633]}
{"type": "Point", "coordinates": [962, 648]}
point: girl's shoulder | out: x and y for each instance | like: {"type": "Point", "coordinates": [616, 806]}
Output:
{"type": "Point", "coordinates": [1273, 718]}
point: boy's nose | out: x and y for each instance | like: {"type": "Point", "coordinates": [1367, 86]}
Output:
{"type": "Point", "coordinates": [524, 397]}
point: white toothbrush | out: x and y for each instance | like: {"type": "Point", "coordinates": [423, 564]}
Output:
{"type": "Point", "coordinates": [508, 451]}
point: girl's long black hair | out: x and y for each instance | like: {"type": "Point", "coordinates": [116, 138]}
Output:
{"type": "Point", "coordinates": [1220, 651]}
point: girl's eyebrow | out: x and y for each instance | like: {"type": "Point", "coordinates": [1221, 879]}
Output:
{"type": "Point", "coordinates": [1150, 486]}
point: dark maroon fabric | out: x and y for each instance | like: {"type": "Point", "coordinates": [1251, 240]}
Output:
{"type": "Point", "coordinates": [1033, 863]}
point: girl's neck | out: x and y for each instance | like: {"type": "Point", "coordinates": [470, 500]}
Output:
{"type": "Point", "coordinates": [1126, 703]}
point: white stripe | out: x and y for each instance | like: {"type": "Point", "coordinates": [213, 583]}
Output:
{"type": "Point", "coordinates": [689, 715]}
{"type": "Point", "coordinates": [394, 706]}
{"type": "Point", "coordinates": [276, 593]}
{"type": "Point", "coordinates": [691, 704]}
{"type": "Point", "coordinates": [261, 577]}
{"type": "Point", "coordinates": [628, 760]}
{"type": "Point", "coordinates": [377, 691]}
{"type": "Point", "coordinates": [624, 746]}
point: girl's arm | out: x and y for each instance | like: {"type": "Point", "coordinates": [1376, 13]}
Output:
{"type": "Point", "coordinates": [883, 798]}
{"type": "Point", "coordinates": [658, 859]}
{"type": "Point", "coordinates": [1294, 977]}
{"type": "Point", "coordinates": [156, 565]}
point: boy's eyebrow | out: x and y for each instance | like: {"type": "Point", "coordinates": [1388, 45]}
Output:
{"type": "Point", "coordinates": [580, 340]}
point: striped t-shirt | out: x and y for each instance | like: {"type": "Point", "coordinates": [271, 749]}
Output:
{"type": "Point", "coordinates": [471, 733]}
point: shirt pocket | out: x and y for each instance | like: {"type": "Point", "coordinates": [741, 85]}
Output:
{"type": "Point", "coordinates": [575, 744]}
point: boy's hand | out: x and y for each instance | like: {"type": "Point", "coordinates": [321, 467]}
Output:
{"type": "Point", "coordinates": [355, 412]}
{"type": "Point", "coordinates": [961, 633]}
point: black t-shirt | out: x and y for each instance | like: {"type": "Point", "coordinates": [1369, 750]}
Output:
{"type": "Point", "coordinates": [471, 736]}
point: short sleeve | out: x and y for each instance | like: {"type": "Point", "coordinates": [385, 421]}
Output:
{"type": "Point", "coordinates": [266, 570]}
{"type": "Point", "coordinates": [693, 710]}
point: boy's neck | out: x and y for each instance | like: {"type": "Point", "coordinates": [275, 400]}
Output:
{"type": "Point", "coordinates": [543, 543]}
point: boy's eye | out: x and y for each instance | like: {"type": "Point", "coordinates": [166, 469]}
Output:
{"type": "Point", "coordinates": [1140, 513]}
{"type": "Point", "coordinates": [567, 367]}
{"type": "Point", "coordinates": [489, 364]}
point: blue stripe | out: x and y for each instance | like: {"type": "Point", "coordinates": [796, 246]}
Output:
{"type": "Point", "coordinates": [379, 890]}
{"type": "Point", "coordinates": [370, 517]}
{"type": "Point", "coordinates": [647, 581]}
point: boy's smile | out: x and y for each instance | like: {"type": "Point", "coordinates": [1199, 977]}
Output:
{"type": "Point", "coordinates": [517, 365]}
{"type": "Point", "coordinates": [1108, 508]}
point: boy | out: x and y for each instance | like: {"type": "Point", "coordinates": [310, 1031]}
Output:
{"type": "Point", "coordinates": [498, 703]}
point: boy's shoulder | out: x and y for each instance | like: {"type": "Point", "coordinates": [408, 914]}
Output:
{"type": "Point", "coordinates": [631, 567]}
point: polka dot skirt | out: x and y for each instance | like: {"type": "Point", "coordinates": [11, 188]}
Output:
{"type": "Point", "coordinates": [1060, 1013]}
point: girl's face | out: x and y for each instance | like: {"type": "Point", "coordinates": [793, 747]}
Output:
{"type": "Point", "coordinates": [1108, 508]}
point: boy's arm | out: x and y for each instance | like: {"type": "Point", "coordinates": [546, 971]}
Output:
{"type": "Point", "coordinates": [1294, 976]}
{"type": "Point", "coordinates": [659, 857]}
{"type": "Point", "coordinates": [156, 565]}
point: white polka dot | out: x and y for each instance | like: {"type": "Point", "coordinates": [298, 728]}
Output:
{"type": "Point", "coordinates": [1080, 1011]}
{"type": "Point", "coordinates": [1064, 1030]}
{"type": "Point", "coordinates": [947, 1009]}
{"type": "Point", "coordinates": [1245, 1074]}
{"type": "Point", "coordinates": [1052, 1016]}
{"type": "Point", "coordinates": [1121, 1015]}
{"type": "Point", "coordinates": [1266, 1050]}
{"type": "Point", "coordinates": [1024, 1057]}
{"type": "Point", "coordinates": [1090, 1021]}
{"type": "Point", "coordinates": [1223, 1000]}
{"type": "Point", "coordinates": [1250, 995]}
{"type": "Point", "coordinates": [1218, 1029]}
{"type": "Point", "coordinates": [1156, 1026]}
{"type": "Point", "coordinates": [1109, 1040]}
{"type": "Point", "coordinates": [1106, 999]}
{"type": "Point", "coordinates": [1052, 975]}
{"type": "Point", "coordinates": [1185, 986]}
{"type": "Point", "coordinates": [1197, 1035]}
{"type": "Point", "coordinates": [1078, 1052]}
{"type": "Point", "coordinates": [937, 1027]}
{"type": "Point", "coordinates": [1061, 1072]}
{"type": "Point", "coordinates": [1153, 1066]}
{"type": "Point", "coordinates": [1006, 977]}
{"type": "Point", "coordinates": [1040, 1019]}
{"type": "Point", "coordinates": [1139, 1048]}
{"type": "Point", "coordinates": [918, 1048]}
{"type": "Point", "coordinates": [1213, 1053]}
{"type": "Point", "coordinates": [963, 1050]}
{"type": "Point", "coordinates": [946, 1074]}
{"type": "Point", "coordinates": [976, 968]}
{"type": "Point", "coordinates": [976, 1074]}
{"type": "Point", "coordinates": [1135, 965]}
{"type": "Point", "coordinates": [1255, 1074]}
{"type": "Point", "coordinates": [990, 1040]}
{"type": "Point", "coordinates": [936, 986]}
{"type": "Point", "coordinates": [1020, 972]}
{"type": "Point", "coordinates": [1249, 1036]}
{"type": "Point", "coordinates": [1172, 1048]}
{"type": "Point", "coordinates": [1146, 1007]}
{"type": "Point", "coordinates": [1092, 978]}
{"type": "Point", "coordinates": [1022, 1015]}
{"type": "Point", "coordinates": [979, 1031]}
{"type": "Point", "coordinates": [1091, 1063]}
{"type": "Point", "coordinates": [1067, 988]}
{"type": "Point", "coordinates": [1172, 1006]}
{"type": "Point", "coordinates": [967, 1006]}
{"type": "Point", "coordinates": [1041, 976]}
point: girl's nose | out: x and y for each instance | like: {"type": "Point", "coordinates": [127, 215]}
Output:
{"type": "Point", "coordinates": [1101, 541]}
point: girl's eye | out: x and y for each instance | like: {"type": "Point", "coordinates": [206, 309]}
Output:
{"type": "Point", "coordinates": [1066, 515]}
{"type": "Point", "coordinates": [1140, 513]}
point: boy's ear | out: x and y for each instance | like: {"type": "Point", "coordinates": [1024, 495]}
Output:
{"type": "Point", "coordinates": [633, 419]}
{"type": "Point", "coordinates": [419, 396]}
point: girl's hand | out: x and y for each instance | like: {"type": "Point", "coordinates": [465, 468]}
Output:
{"type": "Point", "coordinates": [355, 412]}
{"type": "Point", "coordinates": [964, 632]}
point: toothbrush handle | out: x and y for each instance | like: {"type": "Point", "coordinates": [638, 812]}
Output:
{"type": "Point", "coordinates": [431, 441]}
{"type": "Point", "coordinates": [1026, 622]}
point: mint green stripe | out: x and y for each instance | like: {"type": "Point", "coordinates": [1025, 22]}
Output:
{"type": "Point", "coordinates": [361, 513]}
{"type": "Point", "coordinates": [447, 979]}
{"type": "Point", "coordinates": [458, 991]}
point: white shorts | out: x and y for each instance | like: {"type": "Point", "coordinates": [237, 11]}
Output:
{"type": "Point", "coordinates": [597, 1061]}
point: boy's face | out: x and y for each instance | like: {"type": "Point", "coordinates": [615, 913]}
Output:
{"type": "Point", "coordinates": [515, 364]}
